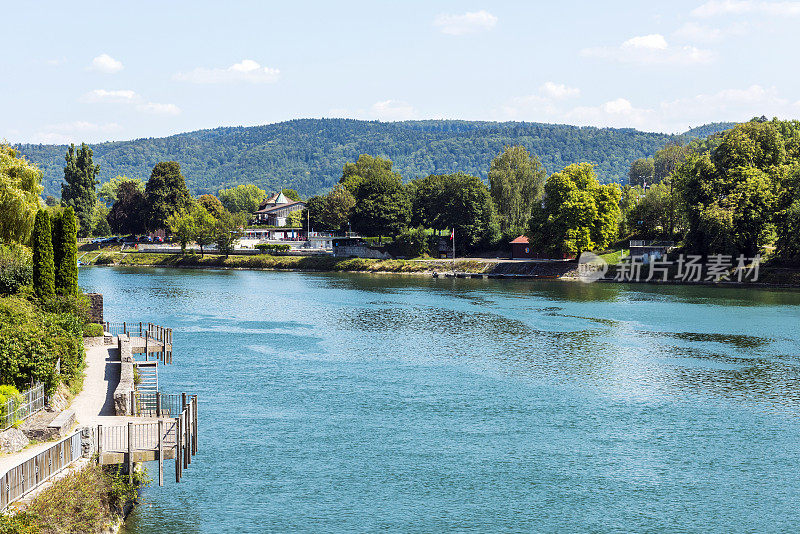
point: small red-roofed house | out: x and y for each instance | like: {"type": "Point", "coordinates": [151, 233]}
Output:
{"type": "Point", "coordinates": [521, 249]}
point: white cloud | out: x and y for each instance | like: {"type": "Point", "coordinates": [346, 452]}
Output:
{"type": "Point", "coordinates": [472, 22]}
{"type": "Point", "coordinates": [245, 71]}
{"type": "Point", "coordinates": [129, 97]}
{"type": "Point", "coordinates": [558, 90]}
{"type": "Point", "coordinates": [106, 64]}
{"type": "Point", "coordinates": [746, 7]}
{"type": "Point", "coordinates": [653, 41]}
{"type": "Point", "coordinates": [729, 104]}
{"type": "Point", "coordinates": [734, 104]}
{"type": "Point", "coordinates": [618, 113]}
{"type": "Point", "coordinates": [73, 132]}
{"type": "Point", "coordinates": [393, 110]}
{"type": "Point", "coordinates": [651, 50]}
{"type": "Point", "coordinates": [116, 96]}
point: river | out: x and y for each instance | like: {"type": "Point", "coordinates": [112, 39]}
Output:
{"type": "Point", "coordinates": [355, 402]}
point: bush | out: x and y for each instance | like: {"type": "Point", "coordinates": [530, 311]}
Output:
{"type": "Point", "coordinates": [33, 339]}
{"type": "Point", "coordinates": [268, 247]}
{"type": "Point", "coordinates": [9, 393]}
{"type": "Point", "coordinates": [105, 258]}
{"type": "Point", "coordinates": [16, 269]}
{"type": "Point", "coordinates": [92, 330]}
{"type": "Point", "coordinates": [411, 243]}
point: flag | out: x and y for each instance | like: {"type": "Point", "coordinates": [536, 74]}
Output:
{"type": "Point", "coordinates": [453, 234]}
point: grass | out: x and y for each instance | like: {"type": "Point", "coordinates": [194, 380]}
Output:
{"type": "Point", "coordinates": [301, 263]}
{"type": "Point", "coordinates": [86, 500]}
{"type": "Point", "coordinates": [613, 258]}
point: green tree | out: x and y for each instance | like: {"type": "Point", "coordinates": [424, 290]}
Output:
{"type": "Point", "coordinates": [78, 191]}
{"type": "Point", "coordinates": [127, 215]}
{"type": "Point", "coordinates": [108, 190]}
{"type": "Point", "coordinates": [43, 265]}
{"type": "Point", "coordinates": [516, 181]}
{"type": "Point", "coordinates": [731, 193]}
{"type": "Point", "coordinates": [456, 201]}
{"type": "Point", "coordinates": [788, 238]}
{"type": "Point", "coordinates": [629, 200]}
{"type": "Point", "coordinates": [641, 172]}
{"type": "Point", "coordinates": [382, 205]}
{"type": "Point", "coordinates": [242, 198]}
{"type": "Point", "coordinates": [165, 194]}
{"type": "Point", "coordinates": [212, 205]}
{"type": "Point", "coordinates": [205, 227]}
{"type": "Point", "coordinates": [19, 196]}
{"type": "Point", "coordinates": [667, 160]}
{"type": "Point", "coordinates": [228, 231]}
{"type": "Point", "coordinates": [100, 226]}
{"type": "Point", "coordinates": [577, 214]}
{"type": "Point", "coordinates": [182, 226]}
{"type": "Point", "coordinates": [332, 211]}
{"type": "Point", "coordinates": [650, 218]}
{"type": "Point", "coordinates": [65, 253]}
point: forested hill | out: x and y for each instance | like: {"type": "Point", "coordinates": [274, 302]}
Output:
{"type": "Point", "coordinates": [308, 154]}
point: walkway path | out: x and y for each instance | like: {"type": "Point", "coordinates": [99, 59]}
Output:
{"type": "Point", "coordinates": [94, 405]}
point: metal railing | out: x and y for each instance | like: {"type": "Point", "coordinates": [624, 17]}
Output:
{"type": "Point", "coordinates": [139, 437]}
{"type": "Point", "coordinates": [33, 472]}
{"type": "Point", "coordinates": [148, 404]}
{"type": "Point", "coordinates": [179, 432]}
{"type": "Point", "coordinates": [32, 402]}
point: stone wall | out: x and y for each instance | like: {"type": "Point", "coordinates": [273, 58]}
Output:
{"type": "Point", "coordinates": [95, 307]}
{"type": "Point", "coordinates": [122, 395]}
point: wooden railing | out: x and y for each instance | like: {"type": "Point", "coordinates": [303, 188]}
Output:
{"type": "Point", "coordinates": [158, 339]}
{"type": "Point", "coordinates": [152, 440]}
{"type": "Point", "coordinates": [33, 472]}
{"type": "Point", "coordinates": [32, 402]}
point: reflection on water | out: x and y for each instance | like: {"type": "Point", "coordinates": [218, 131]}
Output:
{"type": "Point", "coordinates": [370, 402]}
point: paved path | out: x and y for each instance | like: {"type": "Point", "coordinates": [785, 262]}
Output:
{"type": "Point", "coordinates": [94, 405]}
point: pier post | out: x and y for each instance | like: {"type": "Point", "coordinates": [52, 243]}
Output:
{"type": "Point", "coordinates": [178, 449]}
{"type": "Point", "coordinates": [160, 452]}
{"type": "Point", "coordinates": [100, 443]}
{"type": "Point", "coordinates": [194, 425]}
{"type": "Point", "coordinates": [158, 404]}
{"type": "Point", "coordinates": [130, 452]}
{"type": "Point", "coordinates": [189, 421]}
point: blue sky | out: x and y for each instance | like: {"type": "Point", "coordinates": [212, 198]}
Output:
{"type": "Point", "coordinates": [95, 71]}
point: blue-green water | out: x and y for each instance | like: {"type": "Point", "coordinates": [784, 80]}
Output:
{"type": "Point", "coordinates": [333, 403]}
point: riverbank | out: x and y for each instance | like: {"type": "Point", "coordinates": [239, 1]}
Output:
{"type": "Point", "coordinates": [770, 276]}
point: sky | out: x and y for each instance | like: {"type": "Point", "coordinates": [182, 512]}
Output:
{"type": "Point", "coordinates": [99, 71]}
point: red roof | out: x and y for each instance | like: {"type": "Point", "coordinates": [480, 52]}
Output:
{"type": "Point", "coordinates": [520, 239]}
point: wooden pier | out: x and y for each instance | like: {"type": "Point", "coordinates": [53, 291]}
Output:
{"type": "Point", "coordinates": [161, 438]}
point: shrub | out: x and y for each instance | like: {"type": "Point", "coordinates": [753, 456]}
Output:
{"type": "Point", "coordinates": [411, 243]}
{"type": "Point", "coordinates": [92, 330]}
{"type": "Point", "coordinates": [9, 393]}
{"type": "Point", "coordinates": [33, 339]}
{"type": "Point", "coordinates": [268, 247]}
{"type": "Point", "coordinates": [43, 266]}
{"type": "Point", "coordinates": [16, 269]}
{"type": "Point", "coordinates": [105, 259]}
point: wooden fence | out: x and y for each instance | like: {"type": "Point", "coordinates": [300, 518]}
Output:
{"type": "Point", "coordinates": [32, 473]}
{"type": "Point", "coordinates": [157, 339]}
{"type": "Point", "coordinates": [32, 402]}
{"type": "Point", "coordinates": [175, 437]}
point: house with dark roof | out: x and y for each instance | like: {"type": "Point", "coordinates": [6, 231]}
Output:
{"type": "Point", "coordinates": [274, 210]}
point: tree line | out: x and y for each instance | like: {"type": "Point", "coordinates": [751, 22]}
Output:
{"type": "Point", "coordinates": [308, 155]}
{"type": "Point", "coordinates": [734, 192]}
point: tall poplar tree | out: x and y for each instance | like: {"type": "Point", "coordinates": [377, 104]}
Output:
{"type": "Point", "coordinates": [516, 181]}
{"type": "Point", "coordinates": [80, 175]}
{"type": "Point", "coordinates": [65, 252]}
{"type": "Point", "coordinates": [43, 268]}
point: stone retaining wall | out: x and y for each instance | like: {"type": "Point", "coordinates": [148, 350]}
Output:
{"type": "Point", "coordinates": [122, 395]}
